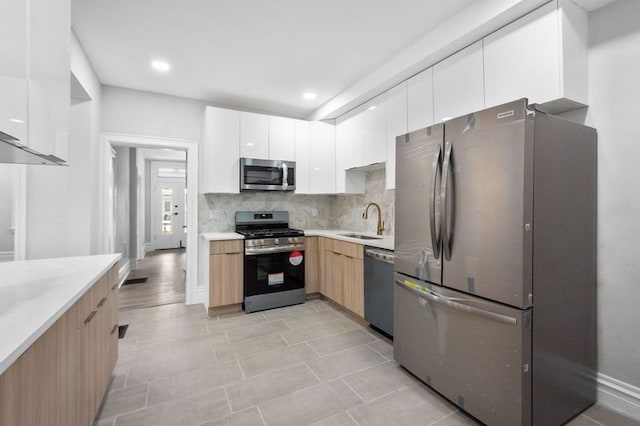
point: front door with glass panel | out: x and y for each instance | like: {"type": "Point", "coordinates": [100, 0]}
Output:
{"type": "Point", "coordinates": [168, 209]}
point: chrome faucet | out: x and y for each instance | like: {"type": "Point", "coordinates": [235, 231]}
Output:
{"type": "Point", "coordinates": [365, 215]}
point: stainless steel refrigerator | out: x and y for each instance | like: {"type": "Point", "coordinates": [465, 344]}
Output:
{"type": "Point", "coordinates": [495, 263]}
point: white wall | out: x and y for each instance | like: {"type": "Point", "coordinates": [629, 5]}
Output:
{"type": "Point", "coordinates": [62, 202]}
{"type": "Point", "coordinates": [6, 208]}
{"type": "Point", "coordinates": [150, 114]}
{"type": "Point", "coordinates": [122, 202]}
{"type": "Point", "coordinates": [614, 91]}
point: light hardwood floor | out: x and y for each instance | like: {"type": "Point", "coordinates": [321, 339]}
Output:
{"type": "Point", "coordinates": [165, 283]}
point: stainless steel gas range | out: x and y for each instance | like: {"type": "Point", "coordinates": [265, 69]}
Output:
{"type": "Point", "coordinates": [273, 260]}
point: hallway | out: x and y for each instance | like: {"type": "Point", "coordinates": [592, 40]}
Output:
{"type": "Point", "coordinates": [164, 271]}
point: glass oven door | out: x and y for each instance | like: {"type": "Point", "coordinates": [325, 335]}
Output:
{"type": "Point", "coordinates": [273, 272]}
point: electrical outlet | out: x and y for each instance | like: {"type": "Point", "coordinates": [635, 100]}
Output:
{"type": "Point", "coordinates": [314, 212]}
{"type": "Point", "coordinates": [210, 214]}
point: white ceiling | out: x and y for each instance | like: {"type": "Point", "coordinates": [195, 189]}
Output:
{"type": "Point", "coordinates": [251, 54]}
{"type": "Point", "coordinates": [261, 55]}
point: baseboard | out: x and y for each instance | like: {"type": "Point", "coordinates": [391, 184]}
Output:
{"type": "Point", "coordinates": [198, 296]}
{"type": "Point", "coordinates": [618, 395]}
{"type": "Point", "coordinates": [6, 256]}
{"type": "Point", "coordinates": [124, 271]}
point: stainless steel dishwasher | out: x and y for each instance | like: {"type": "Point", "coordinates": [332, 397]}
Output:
{"type": "Point", "coordinates": [378, 288]}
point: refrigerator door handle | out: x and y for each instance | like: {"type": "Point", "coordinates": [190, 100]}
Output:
{"type": "Point", "coordinates": [444, 229]}
{"type": "Point", "coordinates": [435, 239]}
{"type": "Point", "coordinates": [455, 303]}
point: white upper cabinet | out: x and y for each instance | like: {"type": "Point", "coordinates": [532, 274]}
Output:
{"type": "Point", "coordinates": [34, 73]}
{"type": "Point", "coordinates": [301, 131]}
{"type": "Point", "coordinates": [13, 69]}
{"type": "Point", "coordinates": [220, 151]}
{"type": "Point", "coordinates": [374, 130]}
{"type": "Point", "coordinates": [49, 84]}
{"type": "Point", "coordinates": [322, 158]}
{"type": "Point", "coordinates": [281, 138]}
{"type": "Point", "coordinates": [349, 152]}
{"type": "Point", "coordinates": [254, 135]}
{"type": "Point", "coordinates": [419, 106]}
{"type": "Point", "coordinates": [458, 84]}
{"type": "Point", "coordinates": [541, 56]}
{"type": "Point", "coordinates": [396, 125]}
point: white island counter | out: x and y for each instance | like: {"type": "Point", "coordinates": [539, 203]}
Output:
{"type": "Point", "coordinates": [34, 294]}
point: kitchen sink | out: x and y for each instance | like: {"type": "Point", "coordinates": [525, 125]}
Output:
{"type": "Point", "coordinates": [361, 236]}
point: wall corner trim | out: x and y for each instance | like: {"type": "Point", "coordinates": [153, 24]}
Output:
{"type": "Point", "coordinates": [124, 271]}
{"type": "Point", "coordinates": [619, 396]}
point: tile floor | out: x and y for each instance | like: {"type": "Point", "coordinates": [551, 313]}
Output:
{"type": "Point", "coordinates": [305, 364]}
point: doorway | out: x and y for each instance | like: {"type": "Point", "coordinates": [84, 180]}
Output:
{"type": "Point", "coordinates": [140, 244]}
{"type": "Point", "coordinates": [168, 215]}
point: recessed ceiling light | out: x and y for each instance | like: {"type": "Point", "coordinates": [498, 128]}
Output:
{"type": "Point", "coordinates": [309, 96]}
{"type": "Point", "coordinates": [160, 65]}
{"type": "Point", "coordinates": [371, 108]}
{"type": "Point", "coordinates": [16, 120]}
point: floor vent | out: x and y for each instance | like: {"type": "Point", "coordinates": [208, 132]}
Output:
{"type": "Point", "coordinates": [135, 281]}
{"type": "Point", "coordinates": [122, 330]}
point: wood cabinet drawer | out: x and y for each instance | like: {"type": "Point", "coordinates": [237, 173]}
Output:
{"type": "Point", "coordinates": [345, 248]}
{"type": "Point", "coordinates": [226, 246]}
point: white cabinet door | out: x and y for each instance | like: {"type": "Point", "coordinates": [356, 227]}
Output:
{"type": "Point", "coordinates": [420, 100]}
{"type": "Point", "coordinates": [349, 149]}
{"type": "Point", "coordinates": [396, 126]}
{"type": "Point", "coordinates": [521, 59]}
{"type": "Point", "coordinates": [49, 84]}
{"type": "Point", "coordinates": [322, 155]}
{"type": "Point", "coordinates": [254, 135]}
{"type": "Point", "coordinates": [374, 126]}
{"type": "Point", "coordinates": [302, 156]}
{"type": "Point", "coordinates": [541, 56]}
{"type": "Point", "coordinates": [458, 84]}
{"type": "Point", "coordinates": [219, 164]}
{"type": "Point", "coordinates": [281, 138]}
{"type": "Point", "coordinates": [13, 69]}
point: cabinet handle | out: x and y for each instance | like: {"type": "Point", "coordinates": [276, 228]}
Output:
{"type": "Point", "coordinates": [90, 317]}
{"type": "Point", "coordinates": [102, 302]}
{"type": "Point", "coordinates": [113, 330]}
{"type": "Point", "coordinates": [114, 286]}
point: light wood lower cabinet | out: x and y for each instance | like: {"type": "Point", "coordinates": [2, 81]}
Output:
{"type": "Point", "coordinates": [225, 272]}
{"type": "Point", "coordinates": [311, 265]}
{"type": "Point", "coordinates": [61, 379]}
{"type": "Point", "coordinates": [343, 276]}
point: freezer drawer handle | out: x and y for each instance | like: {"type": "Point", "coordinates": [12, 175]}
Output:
{"type": "Point", "coordinates": [446, 238]}
{"type": "Point", "coordinates": [435, 239]}
{"type": "Point", "coordinates": [456, 304]}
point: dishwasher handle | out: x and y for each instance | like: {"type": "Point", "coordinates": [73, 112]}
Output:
{"type": "Point", "coordinates": [385, 256]}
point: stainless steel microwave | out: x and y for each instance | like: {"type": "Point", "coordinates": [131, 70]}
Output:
{"type": "Point", "coordinates": [267, 175]}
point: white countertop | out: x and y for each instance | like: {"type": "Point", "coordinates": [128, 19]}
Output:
{"type": "Point", "coordinates": [35, 293]}
{"type": "Point", "coordinates": [217, 236]}
{"type": "Point", "coordinates": [385, 241]}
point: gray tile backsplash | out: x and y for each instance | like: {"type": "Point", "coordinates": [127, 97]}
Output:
{"type": "Point", "coordinates": [217, 211]}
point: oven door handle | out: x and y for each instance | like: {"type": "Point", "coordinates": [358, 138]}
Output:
{"type": "Point", "coordinates": [268, 250]}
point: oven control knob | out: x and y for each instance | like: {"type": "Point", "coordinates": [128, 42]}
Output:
{"type": "Point", "coordinates": [275, 240]}
{"type": "Point", "coordinates": [290, 240]}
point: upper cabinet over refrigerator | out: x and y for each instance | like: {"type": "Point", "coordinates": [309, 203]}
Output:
{"type": "Point", "coordinates": [419, 166]}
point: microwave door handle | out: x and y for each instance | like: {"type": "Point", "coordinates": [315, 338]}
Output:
{"type": "Point", "coordinates": [285, 176]}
